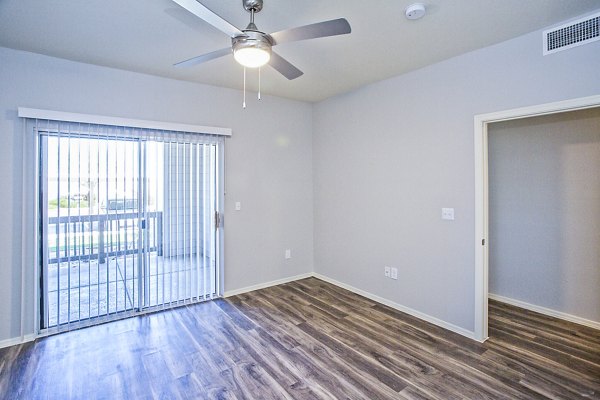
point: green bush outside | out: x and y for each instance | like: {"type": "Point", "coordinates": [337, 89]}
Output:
{"type": "Point", "coordinates": [64, 203]}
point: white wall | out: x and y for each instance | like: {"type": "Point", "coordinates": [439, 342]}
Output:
{"type": "Point", "coordinates": [387, 157]}
{"type": "Point", "coordinates": [268, 163]}
{"type": "Point", "coordinates": [544, 210]}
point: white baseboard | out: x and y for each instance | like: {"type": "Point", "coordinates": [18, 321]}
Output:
{"type": "Point", "coordinates": [17, 340]}
{"type": "Point", "coordinates": [389, 303]}
{"type": "Point", "coordinates": [399, 307]}
{"type": "Point", "coordinates": [546, 311]}
{"type": "Point", "coordinates": [267, 284]}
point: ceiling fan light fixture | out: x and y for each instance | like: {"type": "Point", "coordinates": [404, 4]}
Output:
{"type": "Point", "coordinates": [252, 57]}
{"type": "Point", "coordinates": [253, 49]}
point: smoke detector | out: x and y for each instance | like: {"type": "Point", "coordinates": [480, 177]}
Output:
{"type": "Point", "coordinates": [415, 11]}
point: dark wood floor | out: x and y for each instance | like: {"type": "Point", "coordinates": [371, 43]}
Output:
{"type": "Point", "coordinates": [306, 340]}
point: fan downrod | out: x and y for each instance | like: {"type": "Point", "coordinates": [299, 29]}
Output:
{"type": "Point", "coordinates": [253, 5]}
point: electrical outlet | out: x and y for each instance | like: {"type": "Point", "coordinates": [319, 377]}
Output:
{"type": "Point", "coordinates": [288, 254]}
{"type": "Point", "coordinates": [387, 272]}
{"type": "Point", "coordinates": [448, 214]}
{"type": "Point", "coordinates": [394, 273]}
{"type": "Point", "coordinates": [238, 205]}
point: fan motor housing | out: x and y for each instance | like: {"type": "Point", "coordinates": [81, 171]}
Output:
{"type": "Point", "coordinates": [253, 5]}
{"type": "Point", "coordinates": [254, 39]}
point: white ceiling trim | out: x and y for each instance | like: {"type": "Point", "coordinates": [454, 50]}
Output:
{"type": "Point", "coordinates": [117, 121]}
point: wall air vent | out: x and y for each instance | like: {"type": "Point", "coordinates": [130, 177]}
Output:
{"type": "Point", "coordinates": [573, 34]}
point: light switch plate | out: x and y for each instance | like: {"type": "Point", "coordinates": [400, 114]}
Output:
{"type": "Point", "coordinates": [394, 273]}
{"type": "Point", "coordinates": [387, 272]}
{"type": "Point", "coordinates": [238, 205]}
{"type": "Point", "coordinates": [448, 214]}
{"type": "Point", "coordinates": [288, 254]}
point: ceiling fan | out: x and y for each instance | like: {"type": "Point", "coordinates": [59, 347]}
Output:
{"type": "Point", "coordinates": [253, 48]}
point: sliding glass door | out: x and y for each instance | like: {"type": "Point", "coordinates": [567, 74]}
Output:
{"type": "Point", "coordinates": [129, 222]}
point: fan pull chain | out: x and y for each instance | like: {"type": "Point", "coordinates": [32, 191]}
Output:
{"type": "Point", "coordinates": [259, 83]}
{"type": "Point", "coordinates": [244, 102]}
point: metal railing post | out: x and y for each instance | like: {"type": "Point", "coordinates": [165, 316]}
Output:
{"type": "Point", "coordinates": [101, 252]}
{"type": "Point", "coordinates": [159, 220]}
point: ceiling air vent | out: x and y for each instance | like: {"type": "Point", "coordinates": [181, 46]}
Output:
{"type": "Point", "coordinates": [573, 34]}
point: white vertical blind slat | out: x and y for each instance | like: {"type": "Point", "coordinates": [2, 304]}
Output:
{"type": "Point", "coordinates": [206, 222]}
{"type": "Point", "coordinates": [170, 208]}
{"type": "Point", "coordinates": [213, 209]}
{"type": "Point", "coordinates": [184, 215]}
{"type": "Point", "coordinates": [91, 238]}
{"type": "Point", "coordinates": [190, 237]}
{"type": "Point", "coordinates": [108, 223]}
{"type": "Point", "coordinates": [59, 255]}
{"type": "Point", "coordinates": [161, 233]}
{"type": "Point", "coordinates": [177, 225]}
{"type": "Point", "coordinates": [78, 236]}
{"type": "Point", "coordinates": [68, 224]}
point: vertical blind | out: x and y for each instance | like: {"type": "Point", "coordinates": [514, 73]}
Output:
{"type": "Point", "coordinates": [127, 220]}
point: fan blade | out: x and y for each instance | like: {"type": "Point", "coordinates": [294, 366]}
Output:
{"type": "Point", "coordinates": [204, 58]}
{"type": "Point", "coordinates": [204, 13]}
{"type": "Point", "coordinates": [284, 67]}
{"type": "Point", "coordinates": [320, 29]}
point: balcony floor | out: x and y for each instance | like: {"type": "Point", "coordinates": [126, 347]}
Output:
{"type": "Point", "coordinates": [89, 289]}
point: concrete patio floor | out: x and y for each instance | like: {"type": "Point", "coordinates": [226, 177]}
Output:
{"type": "Point", "coordinates": [89, 289]}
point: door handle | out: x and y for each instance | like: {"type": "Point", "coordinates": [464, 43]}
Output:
{"type": "Point", "coordinates": [218, 220]}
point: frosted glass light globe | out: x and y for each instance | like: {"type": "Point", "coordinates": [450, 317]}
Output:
{"type": "Point", "coordinates": [252, 57]}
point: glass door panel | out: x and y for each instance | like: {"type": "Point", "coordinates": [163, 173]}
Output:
{"type": "Point", "coordinates": [126, 225]}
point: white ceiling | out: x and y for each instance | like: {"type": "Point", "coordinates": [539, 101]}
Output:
{"type": "Point", "coordinates": [149, 36]}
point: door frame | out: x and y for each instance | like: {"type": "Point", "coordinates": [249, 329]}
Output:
{"type": "Point", "coordinates": [481, 244]}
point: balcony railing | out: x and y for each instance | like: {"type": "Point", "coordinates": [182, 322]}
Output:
{"type": "Point", "coordinates": [97, 236]}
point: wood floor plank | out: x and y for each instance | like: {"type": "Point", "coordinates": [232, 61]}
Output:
{"type": "Point", "coordinates": [356, 328]}
{"type": "Point", "coordinates": [309, 340]}
{"type": "Point", "coordinates": [567, 386]}
{"type": "Point", "coordinates": [556, 373]}
{"type": "Point", "coordinates": [456, 363]}
{"type": "Point", "coordinates": [312, 351]}
{"type": "Point", "coordinates": [303, 365]}
{"type": "Point", "coordinates": [569, 342]}
{"type": "Point", "coordinates": [548, 324]}
{"type": "Point", "coordinates": [513, 338]}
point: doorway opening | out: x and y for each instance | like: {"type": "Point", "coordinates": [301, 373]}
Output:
{"type": "Point", "coordinates": [482, 194]}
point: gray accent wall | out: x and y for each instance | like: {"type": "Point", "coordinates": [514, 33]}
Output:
{"type": "Point", "coordinates": [544, 208]}
{"type": "Point", "coordinates": [268, 164]}
{"type": "Point", "coordinates": [388, 156]}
